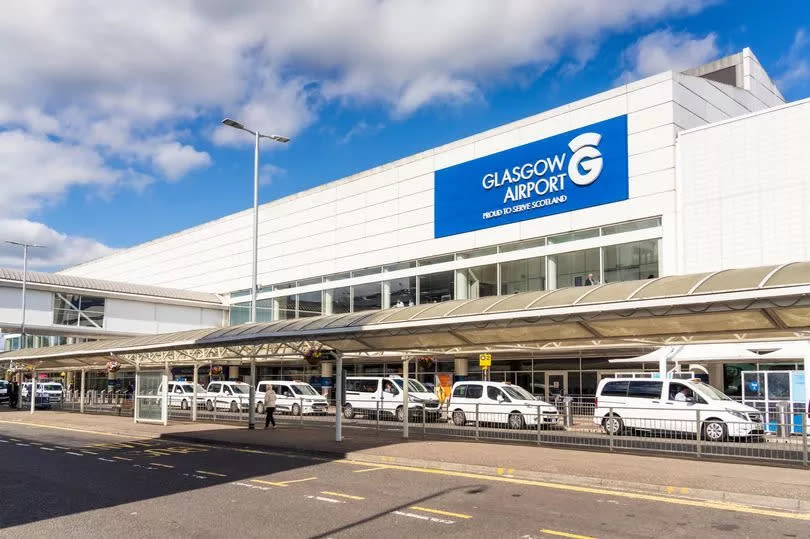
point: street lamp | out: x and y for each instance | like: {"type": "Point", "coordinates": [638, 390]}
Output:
{"type": "Point", "coordinates": [277, 138]}
{"type": "Point", "coordinates": [25, 247]}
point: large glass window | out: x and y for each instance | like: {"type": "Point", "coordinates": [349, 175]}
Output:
{"type": "Point", "coordinates": [403, 291]}
{"type": "Point", "coordinates": [286, 307]}
{"type": "Point", "coordinates": [436, 287]}
{"type": "Point", "coordinates": [630, 226]}
{"type": "Point", "coordinates": [574, 269]}
{"type": "Point", "coordinates": [341, 300]}
{"type": "Point", "coordinates": [573, 236]}
{"type": "Point", "coordinates": [367, 297]}
{"type": "Point", "coordinates": [240, 313]}
{"type": "Point", "coordinates": [631, 261]}
{"type": "Point", "coordinates": [73, 310]}
{"type": "Point", "coordinates": [520, 245]}
{"type": "Point", "coordinates": [309, 304]}
{"type": "Point", "coordinates": [479, 282]}
{"type": "Point", "coordinates": [523, 275]}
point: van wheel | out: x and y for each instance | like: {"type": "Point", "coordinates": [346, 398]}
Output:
{"type": "Point", "coordinates": [348, 411]}
{"type": "Point", "coordinates": [400, 414]}
{"type": "Point", "coordinates": [516, 421]}
{"type": "Point", "coordinates": [260, 408]}
{"type": "Point", "coordinates": [296, 409]}
{"type": "Point", "coordinates": [613, 424]}
{"type": "Point", "coordinates": [209, 406]}
{"type": "Point", "coordinates": [714, 431]}
{"type": "Point", "coordinates": [184, 405]}
{"type": "Point", "coordinates": [459, 419]}
{"type": "Point", "coordinates": [234, 407]}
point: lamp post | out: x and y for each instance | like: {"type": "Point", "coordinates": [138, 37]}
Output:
{"type": "Point", "coordinates": [256, 136]}
{"type": "Point", "coordinates": [25, 247]}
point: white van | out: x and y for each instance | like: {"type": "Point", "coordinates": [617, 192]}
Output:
{"type": "Point", "coordinates": [498, 402]}
{"type": "Point", "coordinates": [649, 404]}
{"type": "Point", "coordinates": [182, 394]}
{"type": "Point", "coordinates": [231, 396]}
{"type": "Point", "coordinates": [293, 397]}
{"type": "Point", "coordinates": [368, 394]}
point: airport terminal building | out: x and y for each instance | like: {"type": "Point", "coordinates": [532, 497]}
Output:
{"type": "Point", "coordinates": [683, 172]}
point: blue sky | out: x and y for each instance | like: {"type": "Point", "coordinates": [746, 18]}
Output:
{"type": "Point", "coordinates": [110, 136]}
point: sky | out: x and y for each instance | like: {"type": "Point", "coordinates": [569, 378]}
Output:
{"type": "Point", "coordinates": [110, 130]}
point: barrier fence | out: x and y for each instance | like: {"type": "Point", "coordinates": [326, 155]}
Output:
{"type": "Point", "coordinates": [779, 436]}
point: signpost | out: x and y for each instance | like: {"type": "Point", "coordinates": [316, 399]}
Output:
{"type": "Point", "coordinates": [485, 362]}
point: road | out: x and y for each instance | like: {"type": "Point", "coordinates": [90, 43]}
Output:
{"type": "Point", "coordinates": [73, 484]}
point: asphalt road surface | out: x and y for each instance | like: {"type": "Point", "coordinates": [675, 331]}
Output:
{"type": "Point", "coordinates": [64, 483]}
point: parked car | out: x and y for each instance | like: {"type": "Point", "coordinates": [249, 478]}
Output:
{"type": "Point", "coordinates": [232, 396]}
{"type": "Point", "coordinates": [292, 396]}
{"type": "Point", "coordinates": [4, 391]}
{"type": "Point", "coordinates": [182, 394]}
{"type": "Point", "coordinates": [500, 403]}
{"type": "Point", "coordinates": [55, 390]}
{"type": "Point", "coordinates": [673, 406]}
{"type": "Point", "coordinates": [42, 399]}
{"type": "Point", "coordinates": [383, 394]}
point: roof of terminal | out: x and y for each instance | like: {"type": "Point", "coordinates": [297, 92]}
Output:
{"type": "Point", "coordinates": [762, 303]}
{"type": "Point", "coordinates": [100, 285]}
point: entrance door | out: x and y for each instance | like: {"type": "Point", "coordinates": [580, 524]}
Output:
{"type": "Point", "coordinates": [556, 384]}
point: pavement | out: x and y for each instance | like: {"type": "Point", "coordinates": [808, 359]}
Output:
{"type": "Point", "coordinates": [780, 488]}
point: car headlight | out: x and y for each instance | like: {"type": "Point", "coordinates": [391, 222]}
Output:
{"type": "Point", "coordinates": [740, 415]}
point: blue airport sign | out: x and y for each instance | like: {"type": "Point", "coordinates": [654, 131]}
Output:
{"type": "Point", "coordinates": [578, 169]}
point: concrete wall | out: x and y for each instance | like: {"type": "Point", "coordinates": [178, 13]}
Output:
{"type": "Point", "coordinates": [746, 190]}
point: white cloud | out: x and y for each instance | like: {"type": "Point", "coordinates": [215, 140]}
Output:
{"type": "Point", "coordinates": [59, 249]}
{"type": "Point", "coordinates": [664, 50]}
{"type": "Point", "coordinates": [268, 172]}
{"type": "Point", "coordinates": [361, 128]}
{"type": "Point", "coordinates": [796, 66]}
{"type": "Point", "coordinates": [115, 94]}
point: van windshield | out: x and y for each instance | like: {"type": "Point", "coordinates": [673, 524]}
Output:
{"type": "Point", "coordinates": [712, 392]}
{"type": "Point", "coordinates": [413, 385]}
{"type": "Point", "coordinates": [517, 392]}
{"type": "Point", "coordinates": [53, 387]}
{"type": "Point", "coordinates": [303, 389]}
{"type": "Point", "coordinates": [190, 388]}
{"type": "Point", "coordinates": [241, 388]}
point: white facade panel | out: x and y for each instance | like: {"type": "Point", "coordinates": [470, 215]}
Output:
{"type": "Point", "coordinates": [746, 190]}
{"type": "Point", "coordinates": [38, 307]}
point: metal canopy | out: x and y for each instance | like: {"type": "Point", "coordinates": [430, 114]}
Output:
{"type": "Point", "coordinates": [764, 303]}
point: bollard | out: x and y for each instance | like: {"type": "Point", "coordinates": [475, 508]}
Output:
{"type": "Point", "coordinates": [476, 420]}
{"type": "Point", "coordinates": [301, 411]}
{"type": "Point", "coordinates": [698, 434]}
{"type": "Point", "coordinates": [215, 408]}
{"type": "Point", "coordinates": [424, 422]}
{"type": "Point", "coordinates": [569, 418]}
{"type": "Point", "coordinates": [610, 431]}
{"type": "Point", "coordinates": [538, 425]}
{"type": "Point", "coordinates": [782, 427]}
{"type": "Point", "coordinates": [377, 417]}
{"type": "Point", "coordinates": [804, 438]}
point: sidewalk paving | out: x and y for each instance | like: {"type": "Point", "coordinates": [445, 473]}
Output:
{"type": "Point", "coordinates": [765, 486]}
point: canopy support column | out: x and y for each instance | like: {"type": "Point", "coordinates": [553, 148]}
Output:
{"type": "Point", "coordinates": [252, 395]}
{"type": "Point", "coordinates": [405, 411]}
{"type": "Point", "coordinates": [164, 395]}
{"type": "Point", "coordinates": [33, 393]}
{"type": "Point", "coordinates": [81, 393]}
{"type": "Point", "coordinates": [339, 397]}
{"type": "Point", "coordinates": [195, 381]}
{"type": "Point", "coordinates": [136, 408]}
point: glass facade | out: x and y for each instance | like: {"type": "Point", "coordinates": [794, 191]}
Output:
{"type": "Point", "coordinates": [73, 310]}
{"type": "Point", "coordinates": [612, 263]}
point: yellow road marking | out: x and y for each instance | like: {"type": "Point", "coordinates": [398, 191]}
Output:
{"type": "Point", "coordinates": [45, 426]}
{"type": "Point", "coordinates": [211, 473]}
{"type": "Point", "coordinates": [723, 506]}
{"type": "Point", "coordinates": [440, 512]}
{"type": "Point", "coordinates": [349, 496]}
{"type": "Point", "coordinates": [565, 534]}
{"type": "Point", "coordinates": [121, 458]}
{"type": "Point", "coordinates": [282, 483]}
{"type": "Point", "coordinates": [370, 469]}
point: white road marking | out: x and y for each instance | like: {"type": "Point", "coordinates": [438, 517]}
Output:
{"type": "Point", "coordinates": [248, 485]}
{"type": "Point", "coordinates": [26, 445]}
{"type": "Point", "coordinates": [105, 460]}
{"type": "Point", "coordinates": [89, 452]}
{"type": "Point", "coordinates": [73, 453]}
{"type": "Point", "coordinates": [211, 473]}
{"type": "Point", "coordinates": [61, 447]}
{"type": "Point", "coordinates": [47, 448]}
{"type": "Point", "coordinates": [423, 517]}
{"type": "Point", "coordinates": [34, 443]}
{"type": "Point", "coordinates": [4, 441]}
{"type": "Point", "coordinates": [323, 499]}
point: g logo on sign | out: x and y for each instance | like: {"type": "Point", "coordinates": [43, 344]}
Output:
{"type": "Point", "coordinates": [587, 156]}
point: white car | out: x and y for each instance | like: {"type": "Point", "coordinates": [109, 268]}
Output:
{"type": "Point", "coordinates": [231, 396]}
{"type": "Point", "coordinates": [181, 394]}
{"type": "Point", "coordinates": [500, 403]}
{"type": "Point", "coordinates": [3, 390]}
{"type": "Point", "coordinates": [673, 406]}
{"type": "Point", "coordinates": [370, 394]}
{"type": "Point", "coordinates": [293, 397]}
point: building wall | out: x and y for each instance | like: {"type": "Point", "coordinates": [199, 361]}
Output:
{"type": "Point", "coordinates": [746, 190]}
{"type": "Point", "coordinates": [385, 215]}
{"type": "Point", "coordinates": [38, 306]}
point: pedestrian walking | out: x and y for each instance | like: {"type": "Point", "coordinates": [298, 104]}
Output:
{"type": "Point", "coordinates": [269, 406]}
